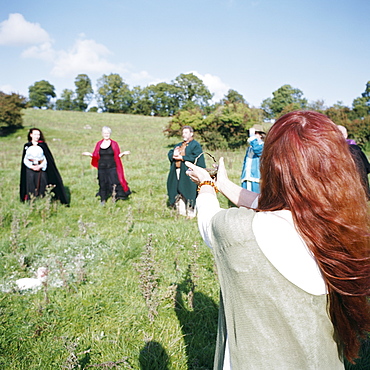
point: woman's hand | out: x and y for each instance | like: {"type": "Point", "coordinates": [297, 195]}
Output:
{"type": "Point", "coordinates": [87, 153]}
{"type": "Point", "coordinates": [36, 167]}
{"type": "Point", "coordinates": [126, 152]}
{"type": "Point", "coordinates": [221, 178]}
{"type": "Point", "coordinates": [197, 174]}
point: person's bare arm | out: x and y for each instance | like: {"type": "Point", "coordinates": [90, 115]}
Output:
{"type": "Point", "coordinates": [239, 196]}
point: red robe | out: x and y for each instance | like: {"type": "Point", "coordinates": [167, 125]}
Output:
{"type": "Point", "coordinates": [117, 159]}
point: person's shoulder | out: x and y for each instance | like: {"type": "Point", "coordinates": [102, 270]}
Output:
{"type": "Point", "coordinates": [356, 150]}
{"type": "Point", "coordinates": [194, 142]}
{"type": "Point", "coordinates": [235, 215]}
{"type": "Point", "coordinates": [25, 148]}
{"type": "Point", "coordinates": [354, 147]}
{"type": "Point", "coordinates": [44, 146]}
{"type": "Point", "coordinates": [114, 144]}
{"type": "Point", "coordinates": [235, 223]}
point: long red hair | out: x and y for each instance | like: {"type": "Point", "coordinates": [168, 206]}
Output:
{"type": "Point", "coordinates": [306, 167]}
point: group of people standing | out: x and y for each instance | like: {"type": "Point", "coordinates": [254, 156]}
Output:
{"type": "Point", "coordinates": [38, 169]}
{"type": "Point", "coordinates": [182, 192]}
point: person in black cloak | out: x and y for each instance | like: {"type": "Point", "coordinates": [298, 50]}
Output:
{"type": "Point", "coordinates": [38, 169]}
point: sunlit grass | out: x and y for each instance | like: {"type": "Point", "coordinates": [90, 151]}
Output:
{"type": "Point", "coordinates": [92, 310]}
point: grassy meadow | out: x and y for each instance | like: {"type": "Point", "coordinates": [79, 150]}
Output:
{"type": "Point", "coordinates": [131, 285]}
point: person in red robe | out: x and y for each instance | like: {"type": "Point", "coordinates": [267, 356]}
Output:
{"type": "Point", "coordinates": [106, 157]}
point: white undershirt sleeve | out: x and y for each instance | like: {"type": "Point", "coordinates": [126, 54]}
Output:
{"type": "Point", "coordinates": [207, 207]}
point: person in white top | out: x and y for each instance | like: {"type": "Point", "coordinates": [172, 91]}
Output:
{"type": "Point", "coordinates": [38, 170]}
{"type": "Point", "coordinates": [36, 164]}
{"type": "Point", "coordinates": [311, 228]}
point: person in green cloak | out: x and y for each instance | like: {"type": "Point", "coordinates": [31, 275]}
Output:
{"type": "Point", "coordinates": [182, 192]}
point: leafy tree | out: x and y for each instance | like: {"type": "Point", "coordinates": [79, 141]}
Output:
{"type": "Point", "coordinates": [141, 101]}
{"type": "Point", "coordinates": [40, 94]}
{"type": "Point", "coordinates": [114, 96]}
{"type": "Point", "coordinates": [161, 100]}
{"type": "Point", "coordinates": [84, 92]}
{"type": "Point", "coordinates": [233, 96]}
{"type": "Point", "coordinates": [361, 105]}
{"type": "Point", "coordinates": [317, 105]}
{"type": "Point", "coordinates": [192, 91]}
{"type": "Point", "coordinates": [166, 100]}
{"type": "Point", "coordinates": [366, 93]}
{"type": "Point", "coordinates": [226, 127]}
{"type": "Point", "coordinates": [285, 96]}
{"type": "Point", "coordinates": [66, 102]}
{"type": "Point", "coordinates": [192, 117]}
{"type": "Point", "coordinates": [339, 114]}
{"type": "Point", "coordinates": [359, 130]}
{"type": "Point", "coordinates": [266, 106]}
{"type": "Point", "coordinates": [11, 106]}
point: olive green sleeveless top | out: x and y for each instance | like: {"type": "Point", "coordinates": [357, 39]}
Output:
{"type": "Point", "coordinates": [270, 323]}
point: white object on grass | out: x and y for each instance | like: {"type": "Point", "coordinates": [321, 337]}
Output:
{"type": "Point", "coordinates": [33, 283]}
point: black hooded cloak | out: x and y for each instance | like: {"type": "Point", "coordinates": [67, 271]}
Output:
{"type": "Point", "coordinates": [52, 172]}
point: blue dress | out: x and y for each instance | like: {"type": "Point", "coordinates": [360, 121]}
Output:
{"type": "Point", "coordinates": [250, 176]}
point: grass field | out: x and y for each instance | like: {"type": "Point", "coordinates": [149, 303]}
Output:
{"type": "Point", "coordinates": [131, 285]}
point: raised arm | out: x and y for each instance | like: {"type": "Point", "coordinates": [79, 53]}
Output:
{"type": "Point", "coordinates": [236, 194]}
{"type": "Point", "coordinates": [126, 152]}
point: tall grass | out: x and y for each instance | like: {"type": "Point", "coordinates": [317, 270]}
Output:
{"type": "Point", "coordinates": [104, 262]}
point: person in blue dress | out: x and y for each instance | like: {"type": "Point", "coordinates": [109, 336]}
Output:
{"type": "Point", "coordinates": [250, 177]}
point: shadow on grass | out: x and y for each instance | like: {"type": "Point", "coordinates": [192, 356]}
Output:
{"type": "Point", "coordinates": [198, 323]}
{"type": "Point", "coordinates": [153, 357]}
{"type": "Point", "coordinates": [7, 130]}
{"type": "Point", "coordinates": [85, 361]}
{"type": "Point", "coordinates": [68, 194]}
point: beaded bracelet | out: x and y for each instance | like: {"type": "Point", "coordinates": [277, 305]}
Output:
{"type": "Point", "coordinates": [208, 182]}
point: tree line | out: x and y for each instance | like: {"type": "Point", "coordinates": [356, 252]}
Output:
{"type": "Point", "coordinates": [187, 100]}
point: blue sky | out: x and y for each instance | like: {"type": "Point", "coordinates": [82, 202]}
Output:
{"type": "Point", "coordinates": [321, 47]}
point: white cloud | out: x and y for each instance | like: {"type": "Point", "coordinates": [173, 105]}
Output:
{"type": "Point", "coordinates": [17, 31]}
{"type": "Point", "coordinates": [44, 51]}
{"type": "Point", "coordinates": [142, 78]}
{"type": "Point", "coordinates": [214, 84]}
{"type": "Point", "coordinates": [86, 56]}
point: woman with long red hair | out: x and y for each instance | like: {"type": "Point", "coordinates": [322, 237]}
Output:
{"type": "Point", "coordinates": [293, 262]}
